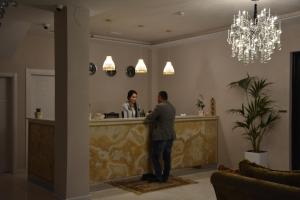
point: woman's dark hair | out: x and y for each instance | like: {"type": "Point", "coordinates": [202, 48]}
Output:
{"type": "Point", "coordinates": [163, 95]}
{"type": "Point", "coordinates": [130, 93]}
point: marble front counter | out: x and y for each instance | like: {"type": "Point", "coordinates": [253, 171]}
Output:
{"type": "Point", "coordinates": [120, 147]}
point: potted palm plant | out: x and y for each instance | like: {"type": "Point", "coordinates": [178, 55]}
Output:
{"type": "Point", "coordinates": [257, 115]}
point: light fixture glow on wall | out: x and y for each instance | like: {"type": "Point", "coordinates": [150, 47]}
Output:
{"type": "Point", "coordinates": [169, 69]}
{"type": "Point", "coordinates": [109, 64]}
{"type": "Point", "coordinates": [255, 38]}
{"type": "Point", "coordinates": [141, 67]}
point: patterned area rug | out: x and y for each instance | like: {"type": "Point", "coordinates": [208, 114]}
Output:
{"type": "Point", "coordinates": [142, 186]}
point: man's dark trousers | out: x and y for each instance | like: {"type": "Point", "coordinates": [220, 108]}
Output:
{"type": "Point", "coordinates": [161, 148]}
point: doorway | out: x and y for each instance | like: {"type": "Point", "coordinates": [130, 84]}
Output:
{"type": "Point", "coordinates": [40, 93]}
{"type": "Point", "coordinates": [295, 139]}
{"type": "Point", "coordinates": [8, 122]}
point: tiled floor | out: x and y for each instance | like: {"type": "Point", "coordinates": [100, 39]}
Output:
{"type": "Point", "coordinates": [17, 188]}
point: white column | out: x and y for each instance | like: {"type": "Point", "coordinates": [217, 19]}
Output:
{"type": "Point", "coordinates": [71, 103]}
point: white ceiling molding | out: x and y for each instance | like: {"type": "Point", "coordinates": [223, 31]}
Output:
{"type": "Point", "coordinates": [119, 40]}
{"type": "Point", "coordinates": [289, 16]}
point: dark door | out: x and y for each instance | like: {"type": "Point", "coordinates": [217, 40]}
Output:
{"type": "Point", "coordinates": [5, 126]}
{"type": "Point", "coordinates": [296, 110]}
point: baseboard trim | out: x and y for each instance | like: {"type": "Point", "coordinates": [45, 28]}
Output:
{"type": "Point", "coordinates": [84, 197]}
{"type": "Point", "coordinates": [40, 182]}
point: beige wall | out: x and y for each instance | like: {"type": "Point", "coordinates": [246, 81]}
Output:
{"type": "Point", "coordinates": [205, 66]}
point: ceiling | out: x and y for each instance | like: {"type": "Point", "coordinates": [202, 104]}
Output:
{"type": "Point", "coordinates": [151, 21]}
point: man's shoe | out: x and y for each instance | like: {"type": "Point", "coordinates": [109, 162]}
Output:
{"type": "Point", "coordinates": [165, 179]}
{"type": "Point", "coordinates": [156, 179]}
{"type": "Point", "coordinates": [148, 176]}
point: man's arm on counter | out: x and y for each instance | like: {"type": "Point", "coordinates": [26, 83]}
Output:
{"type": "Point", "coordinates": [153, 115]}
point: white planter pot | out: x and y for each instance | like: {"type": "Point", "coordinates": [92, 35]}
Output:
{"type": "Point", "coordinates": [258, 158]}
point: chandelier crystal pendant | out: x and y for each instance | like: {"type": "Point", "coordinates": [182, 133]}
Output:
{"type": "Point", "coordinates": [169, 69]}
{"type": "Point", "coordinates": [108, 64]}
{"type": "Point", "coordinates": [140, 67]}
{"type": "Point", "coordinates": [256, 38]}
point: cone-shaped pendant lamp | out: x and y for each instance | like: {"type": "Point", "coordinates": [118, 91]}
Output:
{"type": "Point", "coordinates": [140, 67]}
{"type": "Point", "coordinates": [109, 64]}
{"type": "Point", "coordinates": [169, 69]}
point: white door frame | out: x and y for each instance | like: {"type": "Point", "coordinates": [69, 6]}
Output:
{"type": "Point", "coordinates": [29, 73]}
{"type": "Point", "coordinates": [13, 78]}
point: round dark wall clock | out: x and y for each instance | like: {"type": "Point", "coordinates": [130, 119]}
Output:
{"type": "Point", "coordinates": [130, 71]}
{"type": "Point", "coordinates": [111, 73]}
{"type": "Point", "coordinates": [92, 68]}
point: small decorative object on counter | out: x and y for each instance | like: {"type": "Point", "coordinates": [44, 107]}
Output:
{"type": "Point", "coordinates": [98, 116]}
{"type": "Point", "coordinates": [200, 104]}
{"type": "Point", "coordinates": [142, 113]}
{"type": "Point", "coordinates": [90, 113]}
{"type": "Point", "coordinates": [201, 113]}
{"type": "Point", "coordinates": [212, 107]}
{"type": "Point", "coordinates": [38, 114]}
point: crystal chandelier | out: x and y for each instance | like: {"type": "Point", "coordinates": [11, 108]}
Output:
{"type": "Point", "coordinates": [255, 38]}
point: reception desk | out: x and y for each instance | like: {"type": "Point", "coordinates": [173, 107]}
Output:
{"type": "Point", "coordinates": [120, 147]}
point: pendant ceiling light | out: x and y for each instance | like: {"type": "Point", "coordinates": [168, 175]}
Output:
{"type": "Point", "coordinates": [140, 67]}
{"type": "Point", "coordinates": [255, 38]}
{"type": "Point", "coordinates": [109, 64]}
{"type": "Point", "coordinates": [169, 69]}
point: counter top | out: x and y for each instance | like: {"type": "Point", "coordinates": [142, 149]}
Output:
{"type": "Point", "coordinates": [41, 121]}
{"type": "Point", "coordinates": [116, 121]}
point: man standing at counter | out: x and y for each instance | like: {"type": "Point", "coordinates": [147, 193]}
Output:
{"type": "Point", "coordinates": [162, 135]}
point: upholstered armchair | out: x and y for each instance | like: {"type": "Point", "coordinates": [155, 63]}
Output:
{"type": "Point", "coordinates": [254, 182]}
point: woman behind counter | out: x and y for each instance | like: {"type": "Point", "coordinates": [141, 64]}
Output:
{"type": "Point", "coordinates": [130, 108]}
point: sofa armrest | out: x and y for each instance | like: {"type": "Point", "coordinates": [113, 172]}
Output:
{"type": "Point", "coordinates": [229, 186]}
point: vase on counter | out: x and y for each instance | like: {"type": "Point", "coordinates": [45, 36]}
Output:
{"type": "Point", "coordinates": [201, 112]}
{"type": "Point", "coordinates": [200, 105]}
{"type": "Point", "coordinates": [38, 113]}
